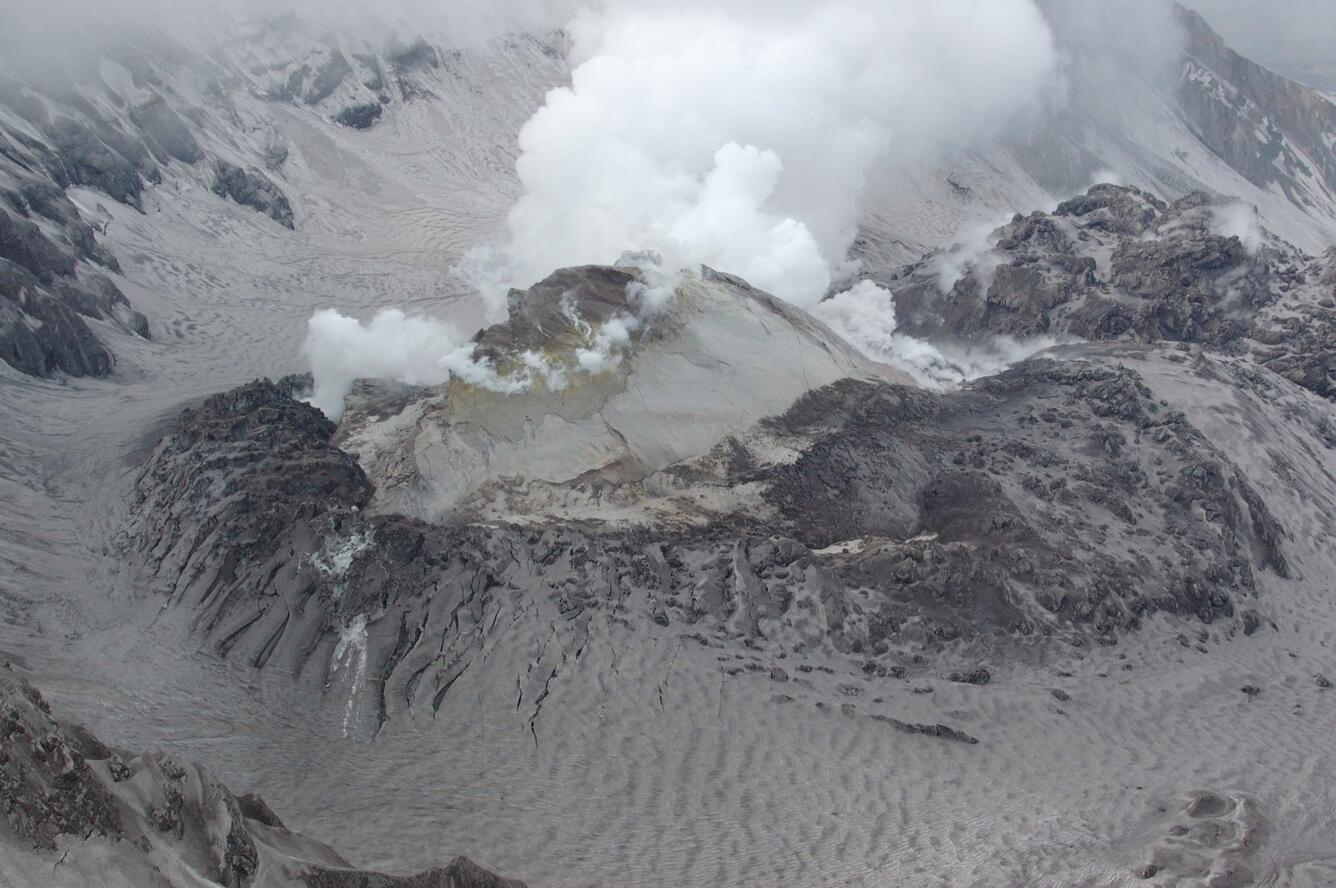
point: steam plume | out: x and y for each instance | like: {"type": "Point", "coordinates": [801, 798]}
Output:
{"type": "Point", "coordinates": [742, 135]}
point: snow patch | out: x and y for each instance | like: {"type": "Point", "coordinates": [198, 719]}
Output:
{"type": "Point", "coordinates": [337, 555]}
{"type": "Point", "coordinates": [350, 653]}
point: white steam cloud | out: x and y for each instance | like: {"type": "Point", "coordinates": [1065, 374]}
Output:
{"type": "Point", "coordinates": [864, 315]}
{"type": "Point", "coordinates": [1241, 220]}
{"type": "Point", "coordinates": [972, 251]}
{"type": "Point", "coordinates": [412, 350]}
{"type": "Point", "coordinates": [741, 135]}
{"type": "Point", "coordinates": [426, 351]}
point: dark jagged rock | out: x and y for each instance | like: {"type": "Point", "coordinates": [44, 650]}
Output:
{"type": "Point", "coordinates": [86, 158]}
{"type": "Point", "coordinates": [46, 199]}
{"type": "Point", "coordinates": [1117, 263]}
{"type": "Point", "coordinates": [81, 237]}
{"type": "Point", "coordinates": [978, 676]}
{"type": "Point", "coordinates": [538, 317]}
{"type": "Point", "coordinates": [271, 465]}
{"type": "Point", "coordinates": [40, 334]}
{"type": "Point", "coordinates": [251, 188]}
{"type": "Point", "coordinates": [65, 795]}
{"type": "Point", "coordinates": [47, 788]}
{"type": "Point", "coordinates": [461, 873]}
{"type": "Point", "coordinates": [944, 732]}
{"type": "Point", "coordinates": [360, 116]}
{"type": "Point", "coordinates": [45, 294]}
{"type": "Point", "coordinates": [22, 243]}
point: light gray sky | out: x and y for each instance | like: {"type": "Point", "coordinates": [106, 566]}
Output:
{"type": "Point", "coordinates": [1296, 38]}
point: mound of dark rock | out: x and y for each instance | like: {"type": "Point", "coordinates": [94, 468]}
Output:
{"type": "Point", "coordinates": [167, 131]}
{"type": "Point", "coordinates": [360, 116]}
{"type": "Point", "coordinates": [1117, 263]}
{"type": "Point", "coordinates": [102, 157]}
{"type": "Point", "coordinates": [253, 189]}
{"type": "Point", "coordinates": [50, 284]}
{"type": "Point", "coordinates": [269, 464]}
{"type": "Point", "coordinates": [328, 78]}
{"type": "Point", "coordinates": [1058, 500]}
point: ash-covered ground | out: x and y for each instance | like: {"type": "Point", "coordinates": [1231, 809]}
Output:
{"type": "Point", "coordinates": [696, 595]}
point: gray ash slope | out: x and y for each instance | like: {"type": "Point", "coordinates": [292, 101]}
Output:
{"type": "Point", "coordinates": [78, 812]}
{"type": "Point", "coordinates": [133, 118]}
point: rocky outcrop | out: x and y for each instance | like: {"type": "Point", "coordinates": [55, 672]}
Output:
{"type": "Point", "coordinates": [328, 77]}
{"type": "Point", "coordinates": [74, 811]}
{"type": "Point", "coordinates": [253, 189]}
{"type": "Point", "coordinates": [51, 264]}
{"type": "Point", "coordinates": [1117, 263]}
{"type": "Point", "coordinates": [100, 157]}
{"type": "Point", "coordinates": [47, 292]}
{"type": "Point", "coordinates": [290, 471]}
{"type": "Point", "coordinates": [40, 335]}
{"type": "Point", "coordinates": [360, 116]}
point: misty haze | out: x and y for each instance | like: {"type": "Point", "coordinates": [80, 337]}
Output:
{"type": "Point", "coordinates": [616, 443]}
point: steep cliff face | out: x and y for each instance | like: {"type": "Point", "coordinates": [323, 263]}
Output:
{"type": "Point", "coordinates": [1274, 131]}
{"type": "Point", "coordinates": [54, 278]}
